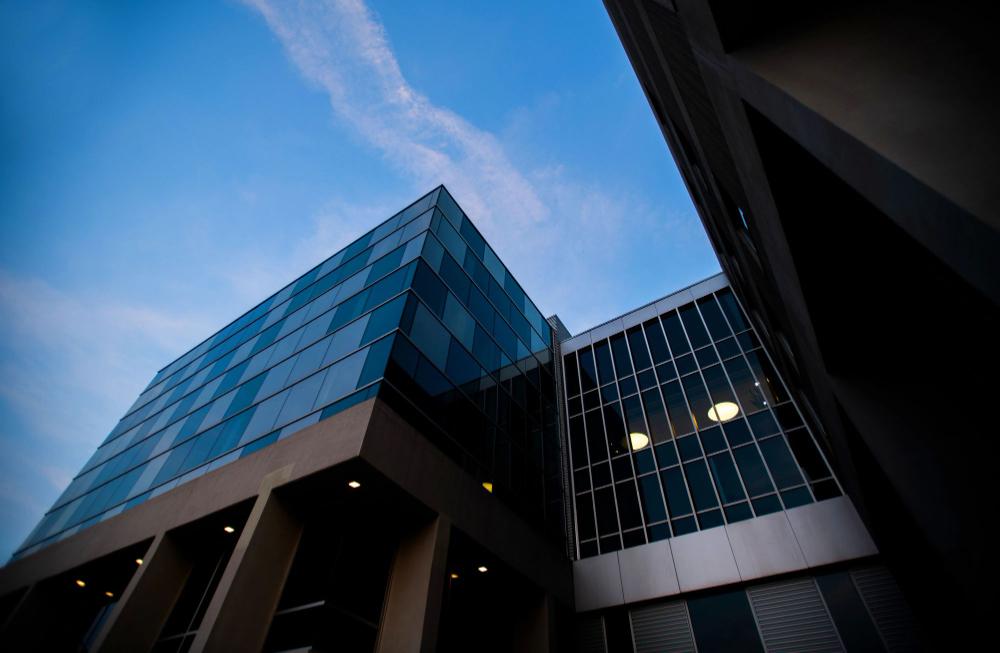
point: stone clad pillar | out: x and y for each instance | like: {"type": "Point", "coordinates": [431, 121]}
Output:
{"type": "Point", "coordinates": [415, 596]}
{"type": "Point", "coordinates": [146, 603]}
{"type": "Point", "coordinates": [240, 612]}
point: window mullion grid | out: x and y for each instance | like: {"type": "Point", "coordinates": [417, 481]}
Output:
{"type": "Point", "coordinates": [704, 456]}
{"type": "Point", "coordinates": [680, 458]}
{"type": "Point", "coordinates": [805, 423]}
{"type": "Point", "coordinates": [753, 436]}
{"type": "Point", "coordinates": [649, 434]}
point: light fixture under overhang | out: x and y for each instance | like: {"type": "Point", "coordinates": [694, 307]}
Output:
{"type": "Point", "coordinates": [80, 583]}
{"type": "Point", "coordinates": [482, 569]}
{"type": "Point", "coordinates": [638, 440]}
{"type": "Point", "coordinates": [354, 485]}
{"type": "Point", "coordinates": [110, 595]}
{"type": "Point", "coordinates": [138, 561]}
{"type": "Point", "coordinates": [229, 529]}
{"type": "Point", "coordinates": [453, 576]}
{"type": "Point", "coordinates": [723, 411]}
{"type": "Point", "coordinates": [488, 486]}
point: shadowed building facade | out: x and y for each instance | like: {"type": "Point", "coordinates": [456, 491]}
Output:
{"type": "Point", "coordinates": [397, 452]}
{"type": "Point", "coordinates": [843, 158]}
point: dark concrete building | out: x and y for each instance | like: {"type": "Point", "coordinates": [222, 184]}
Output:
{"type": "Point", "coordinates": [843, 159]}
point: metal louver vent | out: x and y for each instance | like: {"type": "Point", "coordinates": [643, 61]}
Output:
{"type": "Point", "coordinates": [662, 627]}
{"type": "Point", "coordinates": [590, 634]}
{"type": "Point", "coordinates": [792, 617]}
{"type": "Point", "coordinates": [887, 607]}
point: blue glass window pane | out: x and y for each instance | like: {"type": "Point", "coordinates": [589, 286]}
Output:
{"type": "Point", "coordinates": [346, 340]}
{"type": "Point", "coordinates": [794, 498]}
{"type": "Point", "coordinates": [676, 491]}
{"type": "Point", "coordinates": [308, 361]}
{"type": "Point", "coordinates": [461, 367]}
{"type": "Point", "coordinates": [173, 463]}
{"type": "Point", "coordinates": [485, 350]}
{"type": "Point", "coordinates": [588, 372]}
{"type": "Point", "coordinates": [695, 329]}
{"type": "Point", "coordinates": [259, 444]}
{"type": "Point", "coordinates": [429, 288]}
{"type": "Point", "coordinates": [481, 309]}
{"type": "Point", "coordinates": [455, 278]}
{"type": "Point", "coordinates": [451, 240]}
{"type": "Point", "coordinates": [477, 271]}
{"type": "Point", "coordinates": [494, 265]}
{"type": "Point", "coordinates": [677, 409]}
{"type": "Point", "coordinates": [637, 343]}
{"type": "Point", "coordinates": [726, 480]}
{"type": "Point", "coordinates": [779, 460]}
{"type": "Point", "coordinates": [732, 310]}
{"type": "Point", "coordinates": [458, 320]}
{"type": "Point", "coordinates": [701, 486]}
{"type": "Point", "coordinates": [652, 502]}
{"type": "Point", "coordinates": [375, 363]}
{"type": "Point", "coordinates": [301, 399]}
{"type": "Point", "coordinates": [231, 432]}
{"type": "Point", "coordinates": [472, 236]}
{"type": "Point", "coordinates": [763, 424]}
{"type": "Point", "coordinates": [713, 318]}
{"type": "Point", "coordinates": [265, 414]}
{"type": "Point", "coordinates": [341, 379]}
{"type": "Point", "coordinates": [752, 470]}
{"type": "Point", "coordinates": [276, 378]}
{"type": "Point", "coordinates": [675, 334]}
{"type": "Point", "coordinates": [430, 337]}
{"type": "Point", "coordinates": [388, 287]}
{"type": "Point", "coordinates": [386, 264]}
{"type": "Point", "coordinates": [433, 253]}
{"type": "Point", "coordinates": [384, 319]}
{"type": "Point", "coordinates": [657, 343]}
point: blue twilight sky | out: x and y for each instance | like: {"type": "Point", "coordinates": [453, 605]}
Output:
{"type": "Point", "coordinates": [166, 165]}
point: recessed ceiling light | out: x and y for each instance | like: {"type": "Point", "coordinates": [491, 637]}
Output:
{"type": "Point", "coordinates": [80, 583]}
{"type": "Point", "coordinates": [638, 440]}
{"type": "Point", "coordinates": [138, 561]}
{"type": "Point", "coordinates": [453, 575]}
{"type": "Point", "coordinates": [488, 486]}
{"type": "Point", "coordinates": [723, 411]}
{"type": "Point", "coordinates": [109, 595]}
{"type": "Point", "coordinates": [354, 485]}
{"type": "Point", "coordinates": [482, 569]}
{"type": "Point", "coordinates": [229, 529]}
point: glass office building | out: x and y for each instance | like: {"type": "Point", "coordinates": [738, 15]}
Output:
{"type": "Point", "coordinates": [420, 310]}
{"type": "Point", "coordinates": [396, 451]}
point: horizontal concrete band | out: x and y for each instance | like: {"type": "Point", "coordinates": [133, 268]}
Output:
{"type": "Point", "coordinates": [371, 432]}
{"type": "Point", "coordinates": [802, 538]}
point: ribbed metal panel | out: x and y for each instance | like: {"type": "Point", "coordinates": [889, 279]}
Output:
{"type": "Point", "coordinates": [662, 627]}
{"type": "Point", "coordinates": [590, 634]}
{"type": "Point", "coordinates": [887, 607]}
{"type": "Point", "coordinates": [792, 617]}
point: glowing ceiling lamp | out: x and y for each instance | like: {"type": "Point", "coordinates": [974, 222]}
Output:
{"type": "Point", "coordinates": [723, 411]}
{"type": "Point", "coordinates": [638, 440]}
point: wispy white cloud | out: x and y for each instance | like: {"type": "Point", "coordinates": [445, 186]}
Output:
{"type": "Point", "coordinates": [555, 232]}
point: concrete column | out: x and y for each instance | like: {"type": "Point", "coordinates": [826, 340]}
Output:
{"type": "Point", "coordinates": [413, 601]}
{"type": "Point", "coordinates": [146, 603]}
{"type": "Point", "coordinates": [240, 612]}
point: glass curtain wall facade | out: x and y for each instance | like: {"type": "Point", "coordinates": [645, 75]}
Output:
{"type": "Point", "coordinates": [681, 424]}
{"type": "Point", "coordinates": [419, 311]}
